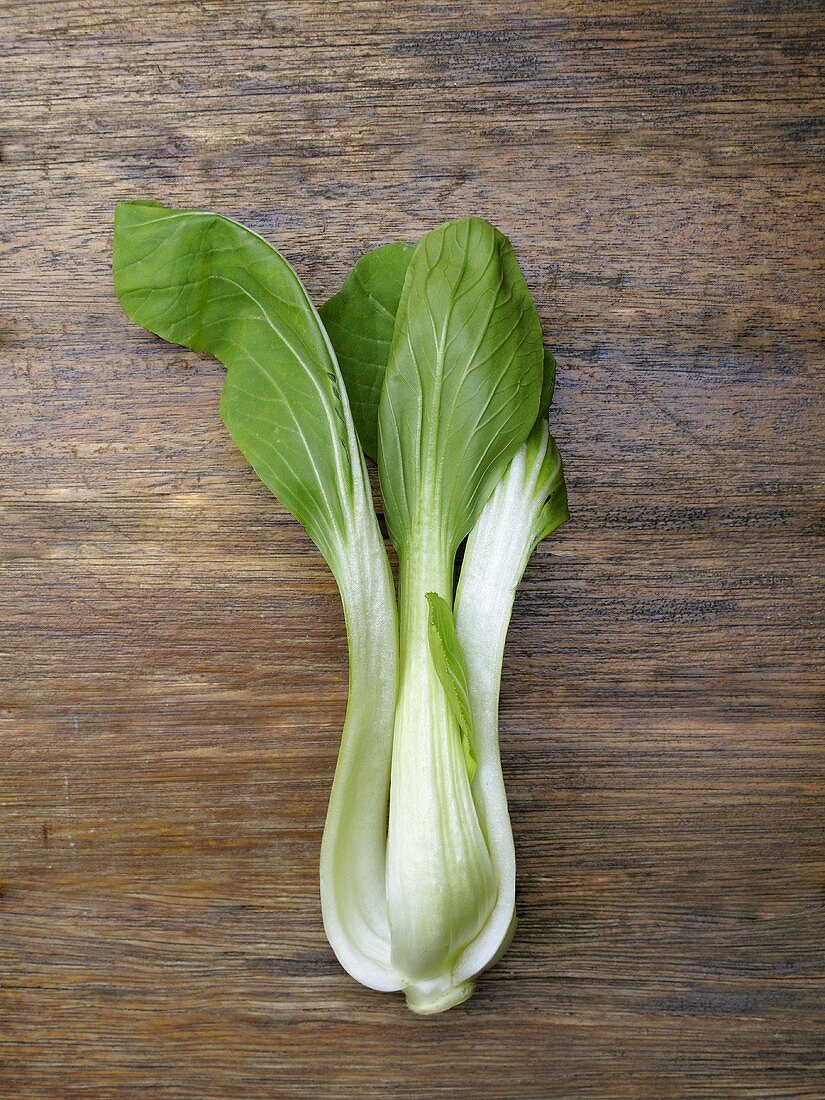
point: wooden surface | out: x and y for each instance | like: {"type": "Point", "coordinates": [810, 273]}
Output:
{"type": "Point", "coordinates": [173, 653]}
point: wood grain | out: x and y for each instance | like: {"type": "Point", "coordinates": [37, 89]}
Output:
{"type": "Point", "coordinates": [174, 660]}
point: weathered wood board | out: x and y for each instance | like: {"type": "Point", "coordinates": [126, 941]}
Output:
{"type": "Point", "coordinates": [173, 654]}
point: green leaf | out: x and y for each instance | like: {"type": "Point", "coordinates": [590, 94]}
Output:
{"type": "Point", "coordinates": [206, 282]}
{"type": "Point", "coordinates": [359, 320]}
{"type": "Point", "coordinates": [463, 381]}
{"type": "Point", "coordinates": [452, 672]}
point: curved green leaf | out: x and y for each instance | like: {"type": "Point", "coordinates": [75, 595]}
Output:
{"type": "Point", "coordinates": [452, 672]}
{"type": "Point", "coordinates": [463, 381]}
{"type": "Point", "coordinates": [359, 320]}
{"type": "Point", "coordinates": [206, 282]}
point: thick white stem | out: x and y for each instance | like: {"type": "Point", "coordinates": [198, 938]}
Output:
{"type": "Point", "coordinates": [353, 849]}
{"type": "Point", "coordinates": [440, 883]}
{"type": "Point", "coordinates": [497, 552]}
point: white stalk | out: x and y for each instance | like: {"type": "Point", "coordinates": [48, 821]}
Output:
{"type": "Point", "coordinates": [497, 552]}
{"type": "Point", "coordinates": [354, 843]}
{"type": "Point", "coordinates": [440, 880]}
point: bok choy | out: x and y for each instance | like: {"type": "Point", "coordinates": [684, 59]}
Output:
{"type": "Point", "coordinates": [429, 358]}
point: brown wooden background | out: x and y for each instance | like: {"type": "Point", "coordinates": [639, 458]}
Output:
{"type": "Point", "coordinates": [173, 653]}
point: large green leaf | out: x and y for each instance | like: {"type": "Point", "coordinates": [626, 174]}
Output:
{"type": "Point", "coordinates": [363, 305]}
{"type": "Point", "coordinates": [206, 282]}
{"type": "Point", "coordinates": [463, 381]}
{"type": "Point", "coordinates": [359, 320]}
{"type": "Point", "coordinates": [452, 672]}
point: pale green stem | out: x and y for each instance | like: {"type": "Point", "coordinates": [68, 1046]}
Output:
{"type": "Point", "coordinates": [497, 553]}
{"type": "Point", "coordinates": [440, 883]}
{"type": "Point", "coordinates": [353, 849]}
